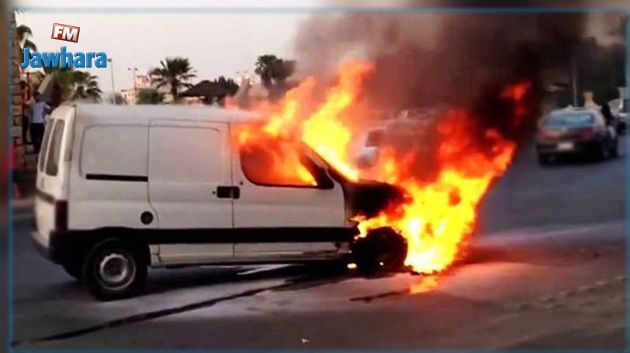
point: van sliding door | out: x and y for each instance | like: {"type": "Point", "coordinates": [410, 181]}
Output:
{"type": "Point", "coordinates": [189, 163]}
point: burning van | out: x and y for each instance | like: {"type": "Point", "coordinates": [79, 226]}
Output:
{"type": "Point", "coordinates": [121, 188]}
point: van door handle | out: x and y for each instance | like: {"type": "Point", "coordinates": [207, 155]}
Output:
{"type": "Point", "coordinates": [228, 192]}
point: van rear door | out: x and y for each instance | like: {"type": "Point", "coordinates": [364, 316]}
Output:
{"type": "Point", "coordinates": [52, 174]}
{"type": "Point", "coordinates": [189, 167]}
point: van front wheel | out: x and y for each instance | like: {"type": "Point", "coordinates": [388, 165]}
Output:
{"type": "Point", "coordinates": [382, 251]}
{"type": "Point", "coordinates": [114, 270]}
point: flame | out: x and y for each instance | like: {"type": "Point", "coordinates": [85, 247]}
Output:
{"type": "Point", "coordinates": [438, 214]}
{"type": "Point", "coordinates": [325, 132]}
{"type": "Point", "coordinates": [323, 129]}
{"type": "Point", "coordinates": [425, 284]}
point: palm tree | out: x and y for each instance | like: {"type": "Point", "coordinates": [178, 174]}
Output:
{"type": "Point", "coordinates": [71, 84]}
{"type": "Point", "coordinates": [273, 73]}
{"type": "Point", "coordinates": [23, 34]}
{"type": "Point", "coordinates": [265, 69]}
{"type": "Point", "coordinates": [85, 86]}
{"type": "Point", "coordinates": [174, 73]}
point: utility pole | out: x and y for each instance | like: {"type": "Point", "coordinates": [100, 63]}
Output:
{"type": "Point", "coordinates": [111, 62]}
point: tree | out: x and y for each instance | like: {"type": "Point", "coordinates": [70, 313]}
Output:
{"type": "Point", "coordinates": [24, 33]}
{"type": "Point", "coordinates": [149, 96]}
{"type": "Point", "coordinates": [174, 73]}
{"type": "Point", "coordinates": [228, 84]}
{"type": "Point", "coordinates": [273, 73]}
{"type": "Point", "coordinates": [71, 84]}
{"type": "Point", "coordinates": [85, 86]}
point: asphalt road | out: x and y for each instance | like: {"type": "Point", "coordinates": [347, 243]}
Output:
{"type": "Point", "coordinates": [546, 269]}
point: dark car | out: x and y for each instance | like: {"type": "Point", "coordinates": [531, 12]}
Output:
{"type": "Point", "coordinates": [577, 132]}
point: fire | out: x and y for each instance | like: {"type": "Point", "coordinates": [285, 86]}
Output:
{"type": "Point", "coordinates": [323, 129]}
{"type": "Point", "coordinates": [441, 213]}
{"type": "Point", "coordinates": [438, 214]}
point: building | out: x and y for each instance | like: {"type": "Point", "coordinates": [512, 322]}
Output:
{"type": "Point", "coordinates": [130, 95]}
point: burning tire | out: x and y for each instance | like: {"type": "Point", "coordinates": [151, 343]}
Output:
{"type": "Point", "coordinates": [381, 251]}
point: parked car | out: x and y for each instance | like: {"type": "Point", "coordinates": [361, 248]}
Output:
{"type": "Point", "coordinates": [575, 131]}
{"type": "Point", "coordinates": [121, 188]}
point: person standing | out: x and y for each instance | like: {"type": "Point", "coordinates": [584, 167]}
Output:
{"type": "Point", "coordinates": [38, 111]}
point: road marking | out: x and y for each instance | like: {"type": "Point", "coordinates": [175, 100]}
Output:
{"type": "Point", "coordinates": [150, 315]}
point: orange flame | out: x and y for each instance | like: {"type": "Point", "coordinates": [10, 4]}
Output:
{"type": "Point", "coordinates": [440, 214]}
{"type": "Point", "coordinates": [437, 215]}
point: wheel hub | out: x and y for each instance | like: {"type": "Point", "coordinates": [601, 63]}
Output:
{"type": "Point", "coordinates": [115, 269]}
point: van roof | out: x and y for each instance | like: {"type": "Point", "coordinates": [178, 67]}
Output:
{"type": "Point", "coordinates": [144, 114]}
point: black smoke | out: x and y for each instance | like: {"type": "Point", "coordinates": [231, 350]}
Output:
{"type": "Point", "coordinates": [448, 59]}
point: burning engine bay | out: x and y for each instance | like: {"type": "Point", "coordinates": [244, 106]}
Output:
{"type": "Point", "coordinates": [426, 193]}
{"type": "Point", "coordinates": [488, 89]}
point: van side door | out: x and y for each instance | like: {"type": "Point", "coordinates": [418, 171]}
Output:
{"type": "Point", "coordinates": [189, 165]}
{"type": "Point", "coordinates": [282, 209]}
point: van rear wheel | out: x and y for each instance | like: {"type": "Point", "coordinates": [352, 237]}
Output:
{"type": "Point", "coordinates": [114, 270]}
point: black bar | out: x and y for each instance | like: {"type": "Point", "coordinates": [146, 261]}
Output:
{"type": "Point", "coordinates": [68, 244]}
{"type": "Point", "coordinates": [116, 177]}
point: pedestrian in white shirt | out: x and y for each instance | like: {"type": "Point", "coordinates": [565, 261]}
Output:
{"type": "Point", "coordinates": [38, 111]}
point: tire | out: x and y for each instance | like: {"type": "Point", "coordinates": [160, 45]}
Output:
{"type": "Point", "coordinates": [381, 251]}
{"type": "Point", "coordinates": [74, 269]}
{"type": "Point", "coordinates": [614, 151]}
{"type": "Point", "coordinates": [601, 153]}
{"type": "Point", "coordinates": [114, 270]}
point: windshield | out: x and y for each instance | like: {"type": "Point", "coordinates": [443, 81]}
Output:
{"type": "Point", "coordinates": [569, 120]}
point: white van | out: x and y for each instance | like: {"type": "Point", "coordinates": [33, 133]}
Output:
{"type": "Point", "coordinates": [121, 188]}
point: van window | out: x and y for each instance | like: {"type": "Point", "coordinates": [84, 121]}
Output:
{"type": "Point", "coordinates": [277, 163]}
{"type": "Point", "coordinates": [44, 147]}
{"type": "Point", "coordinates": [111, 150]}
{"type": "Point", "coordinates": [181, 154]}
{"type": "Point", "coordinates": [54, 150]}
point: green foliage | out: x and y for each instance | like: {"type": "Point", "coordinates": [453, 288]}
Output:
{"type": "Point", "coordinates": [149, 96]}
{"type": "Point", "coordinates": [23, 35]}
{"type": "Point", "coordinates": [228, 84]}
{"type": "Point", "coordinates": [173, 73]}
{"type": "Point", "coordinates": [72, 84]}
{"type": "Point", "coordinates": [273, 73]}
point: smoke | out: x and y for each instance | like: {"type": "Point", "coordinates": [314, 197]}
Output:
{"type": "Point", "coordinates": [421, 58]}
{"type": "Point", "coordinates": [449, 59]}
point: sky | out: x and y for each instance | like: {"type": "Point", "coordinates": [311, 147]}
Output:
{"type": "Point", "coordinates": [216, 42]}
{"type": "Point", "coordinates": [218, 37]}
